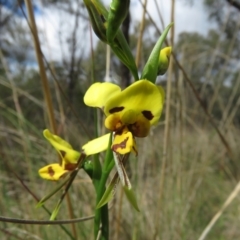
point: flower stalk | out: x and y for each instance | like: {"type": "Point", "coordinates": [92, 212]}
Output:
{"type": "Point", "coordinates": [129, 114]}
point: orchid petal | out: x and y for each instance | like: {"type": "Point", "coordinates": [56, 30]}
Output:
{"type": "Point", "coordinates": [52, 172]}
{"type": "Point", "coordinates": [97, 145]}
{"type": "Point", "coordinates": [124, 143]}
{"type": "Point", "coordinates": [68, 154]}
{"type": "Point", "coordinates": [99, 93]}
{"type": "Point", "coordinates": [142, 96]}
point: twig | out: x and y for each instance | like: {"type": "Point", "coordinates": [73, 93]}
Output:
{"type": "Point", "coordinates": [44, 222]}
{"type": "Point", "coordinates": [42, 71]}
{"type": "Point", "coordinates": [139, 43]}
{"type": "Point", "coordinates": [167, 126]}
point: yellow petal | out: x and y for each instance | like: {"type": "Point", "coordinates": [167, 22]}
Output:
{"type": "Point", "coordinates": [163, 61]}
{"type": "Point", "coordinates": [68, 154]}
{"type": "Point", "coordinates": [98, 93]}
{"type": "Point", "coordinates": [52, 172]}
{"type": "Point", "coordinates": [124, 143]}
{"type": "Point", "coordinates": [97, 145]}
{"type": "Point", "coordinates": [142, 96]}
{"type": "Point", "coordinates": [55, 140]}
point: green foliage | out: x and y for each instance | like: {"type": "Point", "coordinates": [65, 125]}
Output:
{"type": "Point", "coordinates": [150, 70]}
{"type": "Point", "coordinates": [117, 13]}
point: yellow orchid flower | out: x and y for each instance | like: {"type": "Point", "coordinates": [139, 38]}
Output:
{"type": "Point", "coordinates": [129, 113]}
{"type": "Point", "coordinates": [69, 156]}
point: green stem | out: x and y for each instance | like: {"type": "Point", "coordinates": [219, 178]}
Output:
{"type": "Point", "coordinates": [101, 214]}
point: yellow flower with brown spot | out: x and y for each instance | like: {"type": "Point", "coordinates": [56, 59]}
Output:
{"type": "Point", "coordinates": [69, 156]}
{"type": "Point", "coordinates": [129, 113]}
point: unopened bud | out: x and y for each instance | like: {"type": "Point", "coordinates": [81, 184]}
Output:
{"type": "Point", "coordinates": [164, 58]}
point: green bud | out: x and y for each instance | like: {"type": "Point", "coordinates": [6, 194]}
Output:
{"type": "Point", "coordinates": [117, 13]}
{"type": "Point", "coordinates": [97, 19]}
{"type": "Point", "coordinates": [164, 58]}
{"type": "Point", "coordinates": [150, 70]}
{"type": "Point", "coordinates": [98, 16]}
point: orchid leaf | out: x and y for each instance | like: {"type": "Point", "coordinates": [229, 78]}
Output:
{"type": "Point", "coordinates": [119, 44]}
{"type": "Point", "coordinates": [55, 211]}
{"type": "Point", "coordinates": [117, 13]}
{"type": "Point", "coordinates": [110, 191]}
{"type": "Point", "coordinates": [44, 199]}
{"type": "Point", "coordinates": [150, 70]}
{"type": "Point", "coordinates": [131, 197]}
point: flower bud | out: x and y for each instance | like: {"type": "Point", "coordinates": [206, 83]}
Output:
{"type": "Point", "coordinates": [117, 13]}
{"type": "Point", "coordinates": [164, 58]}
{"type": "Point", "coordinates": [97, 20]}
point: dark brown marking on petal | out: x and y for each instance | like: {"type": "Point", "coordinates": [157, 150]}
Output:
{"type": "Point", "coordinates": [119, 131]}
{"type": "Point", "coordinates": [63, 153]}
{"type": "Point", "coordinates": [147, 114]}
{"type": "Point", "coordinates": [116, 109]}
{"type": "Point", "coordinates": [121, 145]}
{"type": "Point", "coordinates": [70, 166]}
{"type": "Point", "coordinates": [50, 171]}
{"type": "Point", "coordinates": [133, 128]}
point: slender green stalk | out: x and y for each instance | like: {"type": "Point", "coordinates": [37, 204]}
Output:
{"type": "Point", "coordinates": [99, 177]}
{"type": "Point", "coordinates": [101, 214]}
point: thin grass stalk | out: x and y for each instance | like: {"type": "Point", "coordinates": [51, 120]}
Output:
{"type": "Point", "coordinates": [22, 92]}
{"type": "Point", "coordinates": [42, 71]}
{"type": "Point", "coordinates": [71, 215]}
{"type": "Point", "coordinates": [220, 76]}
{"type": "Point", "coordinates": [215, 54]}
{"type": "Point", "coordinates": [210, 118]}
{"type": "Point", "coordinates": [159, 14]}
{"type": "Point", "coordinates": [179, 123]}
{"type": "Point", "coordinates": [166, 130]}
{"type": "Point", "coordinates": [43, 222]}
{"type": "Point", "coordinates": [141, 31]}
{"type": "Point", "coordinates": [45, 84]}
{"type": "Point", "coordinates": [57, 90]}
{"type": "Point", "coordinates": [13, 88]}
{"type": "Point", "coordinates": [119, 215]}
{"type": "Point", "coordinates": [151, 19]}
{"type": "Point", "coordinates": [233, 113]}
{"type": "Point", "coordinates": [61, 127]}
{"type": "Point", "coordinates": [56, 86]}
{"type": "Point", "coordinates": [229, 200]}
{"type": "Point", "coordinates": [108, 58]}
{"type": "Point", "coordinates": [10, 234]}
{"type": "Point", "coordinates": [226, 111]}
{"type": "Point", "coordinates": [18, 111]}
